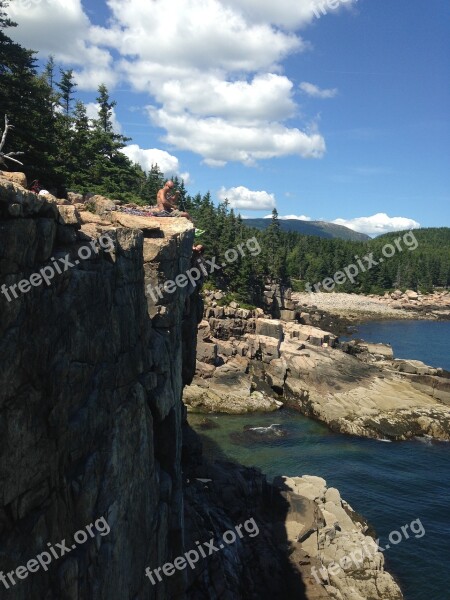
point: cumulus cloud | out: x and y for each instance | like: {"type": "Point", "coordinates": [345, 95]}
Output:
{"type": "Point", "coordinates": [378, 224]}
{"type": "Point", "coordinates": [242, 198]}
{"type": "Point", "coordinates": [315, 92]}
{"type": "Point", "coordinates": [219, 140]}
{"type": "Point", "coordinates": [212, 70]}
{"type": "Point", "coordinates": [265, 97]}
{"type": "Point", "coordinates": [166, 162]}
{"type": "Point", "coordinates": [285, 13]}
{"type": "Point", "coordinates": [62, 28]}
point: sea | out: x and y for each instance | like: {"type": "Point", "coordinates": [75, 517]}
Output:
{"type": "Point", "coordinates": [391, 484]}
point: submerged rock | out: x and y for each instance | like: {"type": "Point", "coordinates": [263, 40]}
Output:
{"type": "Point", "coordinates": [252, 434]}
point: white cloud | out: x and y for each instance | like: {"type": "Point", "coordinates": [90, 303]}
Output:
{"type": "Point", "coordinates": [220, 141]}
{"type": "Point", "coordinates": [212, 68]}
{"type": "Point", "coordinates": [62, 28]}
{"type": "Point", "coordinates": [285, 13]}
{"type": "Point", "coordinates": [201, 34]}
{"type": "Point", "coordinates": [295, 217]}
{"type": "Point", "coordinates": [166, 162]}
{"type": "Point", "coordinates": [92, 113]}
{"type": "Point", "coordinates": [298, 218]}
{"type": "Point", "coordinates": [265, 97]}
{"type": "Point", "coordinates": [242, 198]}
{"type": "Point", "coordinates": [315, 92]}
{"type": "Point", "coordinates": [378, 224]}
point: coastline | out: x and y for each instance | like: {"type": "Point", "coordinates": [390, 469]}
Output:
{"type": "Point", "coordinates": [359, 308]}
{"type": "Point", "coordinates": [248, 361]}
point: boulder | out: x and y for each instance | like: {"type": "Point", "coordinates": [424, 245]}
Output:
{"type": "Point", "coordinates": [287, 315]}
{"type": "Point", "coordinates": [207, 352]}
{"type": "Point", "coordinates": [68, 215]}
{"type": "Point", "coordinates": [75, 198]}
{"type": "Point", "coordinates": [225, 348]}
{"type": "Point", "coordinates": [20, 202]}
{"type": "Point", "coordinates": [382, 350]}
{"type": "Point", "coordinates": [268, 347]}
{"type": "Point", "coordinates": [411, 295]}
{"type": "Point", "coordinates": [269, 328]}
{"type": "Point", "coordinates": [414, 367]}
{"type": "Point", "coordinates": [203, 370]}
{"type": "Point", "coordinates": [101, 206]}
{"type": "Point", "coordinates": [305, 318]}
{"type": "Point", "coordinates": [88, 217]}
{"type": "Point", "coordinates": [15, 177]}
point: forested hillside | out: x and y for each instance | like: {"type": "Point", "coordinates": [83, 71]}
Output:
{"type": "Point", "coordinates": [65, 150]}
{"type": "Point", "coordinates": [299, 259]}
{"type": "Point", "coordinates": [319, 228]}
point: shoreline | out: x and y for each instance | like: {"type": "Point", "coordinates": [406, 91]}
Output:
{"type": "Point", "coordinates": [359, 308]}
{"type": "Point", "coordinates": [249, 362]}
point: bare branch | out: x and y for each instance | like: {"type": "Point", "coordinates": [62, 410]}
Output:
{"type": "Point", "coordinates": [9, 155]}
{"type": "Point", "coordinates": [7, 126]}
{"type": "Point", "coordinates": [3, 156]}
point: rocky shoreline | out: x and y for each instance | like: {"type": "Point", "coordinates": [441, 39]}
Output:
{"type": "Point", "coordinates": [333, 546]}
{"type": "Point", "coordinates": [395, 305]}
{"type": "Point", "coordinates": [249, 362]}
{"type": "Point", "coordinates": [311, 544]}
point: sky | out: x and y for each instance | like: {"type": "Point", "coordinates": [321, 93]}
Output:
{"type": "Point", "coordinates": [334, 110]}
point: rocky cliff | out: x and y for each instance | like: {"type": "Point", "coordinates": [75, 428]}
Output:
{"type": "Point", "coordinates": [91, 377]}
{"type": "Point", "coordinates": [102, 482]}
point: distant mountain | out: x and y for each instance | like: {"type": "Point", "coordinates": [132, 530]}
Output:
{"type": "Point", "coordinates": [317, 228]}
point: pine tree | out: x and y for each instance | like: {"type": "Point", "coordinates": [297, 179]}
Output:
{"type": "Point", "coordinates": [105, 109]}
{"type": "Point", "coordinates": [26, 99]}
{"type": "Point", "coordinates": [67, 87]}
{"type": "Point", "coordinates": [154, 182]}
{"type": "Point", "coordinates": [275, 250]}
{"type": "Point", "coordinates": [49, 71]}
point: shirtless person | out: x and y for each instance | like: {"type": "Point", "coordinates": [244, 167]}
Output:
{"type": "Point", "coordinates": [166, 201]}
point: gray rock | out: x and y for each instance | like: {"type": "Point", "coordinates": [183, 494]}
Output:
{"type": "Point", "coordinates": [269, 328]}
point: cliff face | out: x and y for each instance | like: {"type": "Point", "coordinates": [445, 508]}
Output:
{"type": "Point", "coordinates": [91, 375]}
{"type": "Point", "coordinates": [100, 475]}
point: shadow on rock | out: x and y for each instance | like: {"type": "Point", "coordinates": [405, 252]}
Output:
{"type": "Point", "coordinates": [218, 496]}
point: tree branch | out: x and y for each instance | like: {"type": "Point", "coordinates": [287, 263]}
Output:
{"type": "Point", "coordinates": [9, 155]}
{"type": "Point", "coordinates": [7, 126]}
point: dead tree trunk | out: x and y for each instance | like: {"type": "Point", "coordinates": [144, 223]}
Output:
{"type": "Point", "coordinates": [9, 156]}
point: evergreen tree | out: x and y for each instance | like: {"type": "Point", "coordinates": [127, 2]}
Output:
{"type": "Point", "coordinates": [154, 182]}
{"type": "Point", "coordinates": [275, 249]}
{"type": "Point", "coordinates": [49, 71]}
{"type": "Point", "coordinates": [105, 110]}
{"type": "Point", "coordinates": [67, 87]}
{"type": "Point", "coordinates": [25, 98]}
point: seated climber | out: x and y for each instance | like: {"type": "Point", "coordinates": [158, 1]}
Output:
{"type": "Point", "coordinates": [167, 202]}
{"type": "Point", "coordinates": [166, 206]}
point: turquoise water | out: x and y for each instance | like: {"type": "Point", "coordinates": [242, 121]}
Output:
{"type": "Point", "coordinates": [391, 484]}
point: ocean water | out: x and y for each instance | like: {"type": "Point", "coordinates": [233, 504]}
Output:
{"type": "Point", "coordinates": [428, 341]}
{"type": "Point", "coordinates": [391, 484]}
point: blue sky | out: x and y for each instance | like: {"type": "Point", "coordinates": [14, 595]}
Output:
{"type": "Point", "coordinates": [343, 118]}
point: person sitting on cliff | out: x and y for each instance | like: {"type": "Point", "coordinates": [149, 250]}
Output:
{"type": "Point", "coordinates": [167, 202]}
{"type": "Point", "coordinates": [167, 206]}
